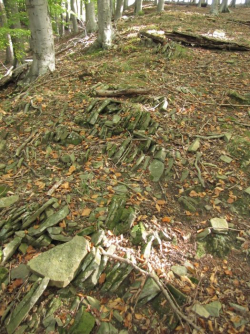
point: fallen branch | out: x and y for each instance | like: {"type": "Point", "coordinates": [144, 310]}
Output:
{"type": "Point", "coordinates": [160, 285]}
{"type": "Point", "coordinates": [121, 92]}
{"type": "Point", "coordinates": [204, 41]}
{"type": "Point", "coordinates": [198, 156]}
{"type": "Point", "coordinates": [20, 148]}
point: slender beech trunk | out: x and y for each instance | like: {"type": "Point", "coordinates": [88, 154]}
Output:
{"type": "Point", "coordinates": [9, 56]}
{"type": "Point", "coordinates": [74, 16]}
{"type": "Point", "coordinates": [138, 7]}
{"type": "Point", "coordinates": [215, 7]}
{"type": "Point", "coordinates": [91, 24]}
{"type": "Point", "coordinates": [104, 24]}
{"type": "Point", "coordinates": [119, 9]}
{"type": "Point", "coordinates": [224, 7]}
{"type": "Point", "coordinates": [160, 6]}
{"type": "Point", "coordinates": [12, 12]}
{"type": "Point", "coordinates": [42, 40]}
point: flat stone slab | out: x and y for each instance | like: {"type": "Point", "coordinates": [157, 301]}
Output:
{"type": "Point", "coordinates": [219, 225]}
{"type": "Point", "coordinates": [61, 263]}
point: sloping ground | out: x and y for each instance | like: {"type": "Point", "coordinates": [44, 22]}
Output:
{"type": "Point", "coordinates": [143, 172]}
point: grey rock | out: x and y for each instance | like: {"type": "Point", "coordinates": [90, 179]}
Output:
{"type": "Point", "coordinates": [219, 225]}
{"type": "Point", "coordinates": [179, 270]}
{"type": "Point", "coordinates": [51, 221]}
{"type": "Point", "coordinates": [213, 308]}
{"type": "Point", "coordinates": [22, 271]}
{"type": "Point", "coordinates": [23, 308]}
{"type": "Point", "coordinates": [156, 169]}
{"type": "Point", "coordinates": [201, 311]}
{"type": "Point", "coordinates": [5, 202]}
{"type": "Point", "coordinates": [194, 146]}
{"type": "Point", "coordinates": [61, 263]}
{"type": "Point", "coordinates": [10, 248]}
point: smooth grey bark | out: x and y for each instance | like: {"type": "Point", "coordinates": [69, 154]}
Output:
{"type": "Point", "coordinates": [233, 3]}
{"type": "Point", "coordinates": [247, 3]}
{"type": "Point", "coordinates": [224, 7]}
{"type": "Point", "coordinates": [119, 9]}
{"type": "Point", "coordinates": [125, 4]}
{"type": "Point", "coordinates": [156, 2]}
{"type": "Point", "coordinates": [112, 7]}
{"type": "Point", "coordinates": [138, 7]}
{"type": "Point", "coordinates": [62, 26]}
{"type": "Point", "coordinates": [91, 24]}
{"type": "Point", "coordinates": [9, 55]}
{"type": "Point", "coordinates": [105, 31]}
{"type": "Point", "coordinates": [215, 7]}
{"type": "Point", "coordinates": [12, 13]}
{"type": "Point", "coordinates": [73, 16]}
{"type": "Point", "coordinates": [160, 6]}
{"type": "Point", "coordinates": [42, 40]}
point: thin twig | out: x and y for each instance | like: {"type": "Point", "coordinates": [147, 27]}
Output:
{"type": "Point", "coordinates": [160, 285]}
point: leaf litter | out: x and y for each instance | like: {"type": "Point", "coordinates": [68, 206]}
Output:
{"type": "Point", "coordinates": [80, 156]}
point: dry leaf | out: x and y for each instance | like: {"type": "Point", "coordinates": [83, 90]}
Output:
{"type": "Point", "coordinates": [138, 316]}
{"type": "Point", "coordinates": [158, 208]}
{"type": "Point", "coordinates": [86, 212]}
{"type": "Point", "coordinates": [166, 219]}
{"type": "Point", "coordinates": [71, 170]}
{"type": "Point", "coordinates": [161, 202]}
{"type": "Point", "coordinates": [102, 278]}
{"type": "Point", "coordinates": [193, 194]}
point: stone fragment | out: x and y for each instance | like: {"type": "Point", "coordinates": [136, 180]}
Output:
{"type": "Point", "coordinates": [213, 308]}
{"type": "Point", "coordinates": [149, 291]}
{"type": "Point", "coordinates": [10, 248]}
{"type": "Point", "coordinates": [3, 274]}
{"type": "Point", "coordinates": [51, 221]}
{"type": "Point", "coordinates": [61, 263]}
{"type": "Point", "coordinates": [194, 146]}
{"type": "Point", "coordinates": [179, 270]}
{"type": "Point", "coordinates": [201, 311]}
{"type": "Point", "coordinates": [226, 159]}
{"type": "Point", "coordinates": [23, 308]}
{"type": "Point", "coordinates": [22, 271]}
{"type": "Point", "coordinates": [5, 202]}
{"type": "Point", "coordinates": [156, 169]}
{"type": "Point", "coordinates": [84, 322]}
{"type": "Point", "coordinates": [219, 225]}
{"type": "Point", "coordinates": [247, 190]}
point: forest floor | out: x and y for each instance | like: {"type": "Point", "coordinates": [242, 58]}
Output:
{"type": "Point", "coordinates": [208, 99]}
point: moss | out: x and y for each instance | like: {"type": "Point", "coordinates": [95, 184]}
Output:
{"type": "Point", "coordinates": [239, 148]}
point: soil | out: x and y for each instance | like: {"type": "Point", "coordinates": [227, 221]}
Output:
{"type": "Point", "coordinates": [197, 84]}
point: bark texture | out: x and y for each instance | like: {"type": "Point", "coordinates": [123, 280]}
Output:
{"type": "Point", "coordinates": [119, 9]}
{"type": "Point", "coordinates": [91, 24]}
{"type": "Point", "coordinates": [160, 6]}
{"type": "Point", "coordinates": [104, 24]}
{"type": "Point", "coordinates": [42, 41]}
{"type": "Point", "coordinates": [138, 7]}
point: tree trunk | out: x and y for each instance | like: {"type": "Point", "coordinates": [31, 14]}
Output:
{"type": "Point", "coordinates": [233, 3]}
{"type": "Point", "coordinates": [119, 9]}
{"type": "Point", "coordinates": [160, 6]}
{"type": "Point", "coordinates": [125, 4]}
{"type": "Point", "coordinates": [156, 2]}
{"type": "Point", "coordinates": [11, 7]}
{"type": "Point", "coordinates": [224, 7]}
{"type": "Point", "coordinates": [247, 3]}
{"type": "Point", "coordinates": [91, 24]}
{"type": "Point", "coordinates": [104, 24]}
{"type": "Point", "coordinates": [9, 60]}
{"type": "Point", "coordinates": [42, 40]}
{"type": "Point", "coordinates": [214, 8]}
{"type": "Point", "coordinates": [74, 16]}
{"type": "Point", "coordinates": [62, 26]}
{"type": "Point", "coordinates": [138, 7]}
